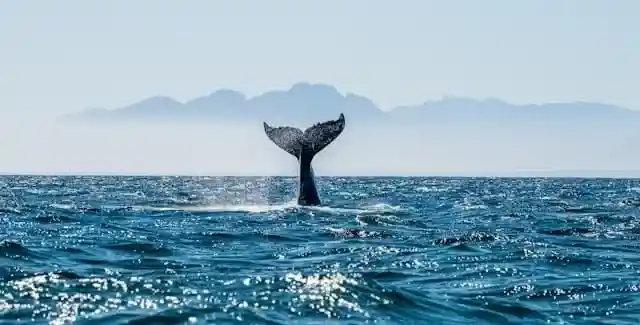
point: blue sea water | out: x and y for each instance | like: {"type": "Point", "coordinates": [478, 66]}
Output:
{"type": "Point", "coordinates": [206, 250]}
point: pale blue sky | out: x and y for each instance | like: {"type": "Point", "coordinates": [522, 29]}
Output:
{"type": "Point", "coordinates": [63, 56]}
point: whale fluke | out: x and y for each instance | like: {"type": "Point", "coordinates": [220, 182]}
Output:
{"type": "Point", "coordinates": [304, 146]}
{"type": "Point", "coordinates": [314, 138]}
{"type": "Point", "coordinates": [287, 138]}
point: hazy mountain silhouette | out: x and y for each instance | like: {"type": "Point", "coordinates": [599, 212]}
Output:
{"type": "Point", "coordinates": [309, 103]}
{"type": "Point", "coordinates": [222, 132]}
{"type": "Point", "coordinates": [303, 102]}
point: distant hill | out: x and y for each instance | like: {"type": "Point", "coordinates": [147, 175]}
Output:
{"type": "Point", "coordinates": [221, 133]}
{"type": "Point", "coordinates": [302, 102]}
{"type": "Point", "coordinates": [308, 103]}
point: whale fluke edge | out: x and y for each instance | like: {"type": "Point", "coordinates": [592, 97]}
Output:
{"type": "Point", "coordinates": [304, 146]}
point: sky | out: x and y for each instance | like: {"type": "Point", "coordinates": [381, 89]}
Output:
{"type": "Point", "coordinates": [64, 56]}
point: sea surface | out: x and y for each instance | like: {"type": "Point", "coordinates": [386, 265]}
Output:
{"type": "Point", "coordinates": [206, 250]}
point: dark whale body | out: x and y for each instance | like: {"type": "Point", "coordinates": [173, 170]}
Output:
{"type": "Point", "coordinates": [304, 146]}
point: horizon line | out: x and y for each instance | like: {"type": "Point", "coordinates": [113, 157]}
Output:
{"type": "Point", "coordinates": [603, 174]}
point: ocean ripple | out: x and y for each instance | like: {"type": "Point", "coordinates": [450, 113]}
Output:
{"type": "Point", "coordinates": [200, 250]}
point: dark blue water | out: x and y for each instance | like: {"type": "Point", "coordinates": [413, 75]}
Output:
{"type": "Point", "coordinates": [173, 250]}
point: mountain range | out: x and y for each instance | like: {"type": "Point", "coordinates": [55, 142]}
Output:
{"type": "Point", "coordinates": [309, 103]}
{"type": "Point", "coordinates": [222, 133]}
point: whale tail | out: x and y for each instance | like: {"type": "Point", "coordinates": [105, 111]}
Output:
{"type": "Point", "coordinates": [312, 140]}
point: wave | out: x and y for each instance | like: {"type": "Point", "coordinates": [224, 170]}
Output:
{"type": "Point", "coordinates": [264, 208]}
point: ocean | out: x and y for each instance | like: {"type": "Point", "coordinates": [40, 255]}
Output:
{"type": "Point", "coordinates": [232, 250]}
